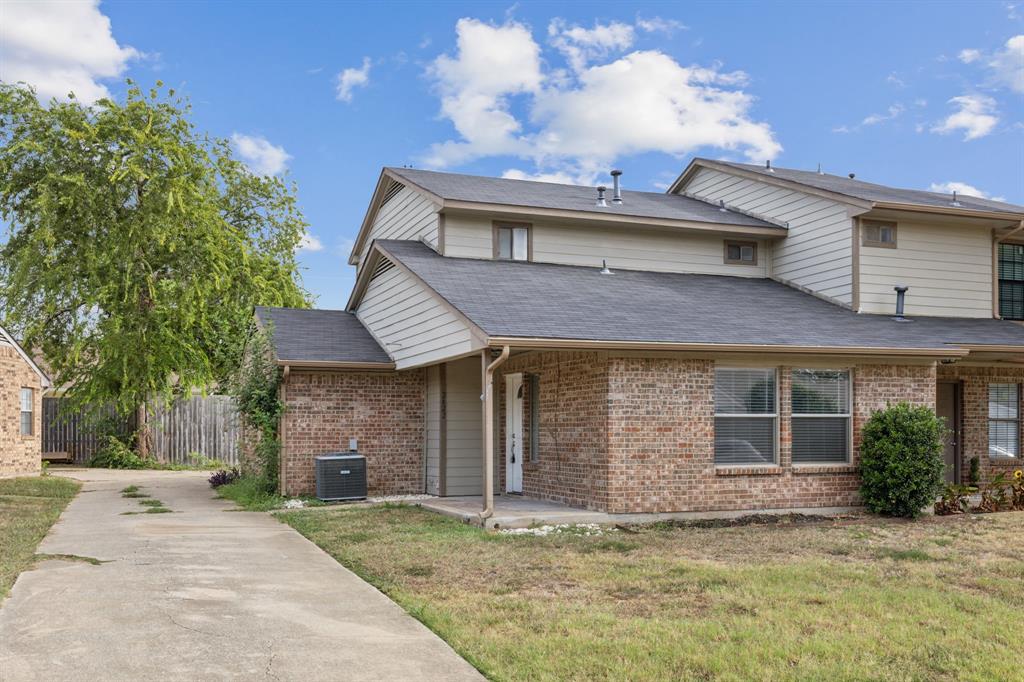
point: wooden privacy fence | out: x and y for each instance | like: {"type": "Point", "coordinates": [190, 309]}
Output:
{"type": "Point", "coordinates": [204, 426]}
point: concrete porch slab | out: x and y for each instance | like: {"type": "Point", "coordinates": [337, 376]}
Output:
{"type": "Point", "coordinates": [523, 512]}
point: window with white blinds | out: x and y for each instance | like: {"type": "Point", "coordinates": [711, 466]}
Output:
{"type": "Point", "coordinates": [27, 405]}
{"type": "Point", "coordinates": [1003, 420]}
{"type": "Point", "coordinates": [821, 416]}
{"type": "Point", "coordinates": [745, 416]}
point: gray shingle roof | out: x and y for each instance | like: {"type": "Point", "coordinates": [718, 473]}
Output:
{"type": "Point", "coordinates": [304, 335]}
{"type": "Point", "coordinates": [527, 193]}
{"type": "Point", "coordinates": [561, 301]}
{"type": "Point", "coordinates": [876, 193]}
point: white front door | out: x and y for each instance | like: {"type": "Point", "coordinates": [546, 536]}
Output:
{"type": "Point", "coordinates": [514, 433]}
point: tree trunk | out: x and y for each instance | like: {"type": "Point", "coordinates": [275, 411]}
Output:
{"type": "Point", "coordinates": [142, 432]}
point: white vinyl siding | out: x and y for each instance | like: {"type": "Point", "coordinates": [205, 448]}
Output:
{"type": "Point", "coordinates": [464, 438]}
{"type": "Point", "coordinates": [817, 253]}
{"type": "Point", "coordinates": [410, 323]}
{"type": "Point", "coordinates": [433, 430]}
{"type": "Point", "coordinates": [627, 248]}
{"type": "Point", "coordinates": [948, 269]}
{"type": "Point", "coordinates": [407, 215]}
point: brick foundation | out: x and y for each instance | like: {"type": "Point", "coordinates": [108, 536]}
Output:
{"type": "Point", "coordinates": [383, 410]}
{"type": "Point", "coordinates": [19, 455]}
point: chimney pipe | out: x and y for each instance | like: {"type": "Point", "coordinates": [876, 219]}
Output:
{"type": "Point", "coordinates": [601, 203]}
{"type": "Point", "coordinates": [616, 193]}
{"type": "Point", "coordinates": [901, 294]}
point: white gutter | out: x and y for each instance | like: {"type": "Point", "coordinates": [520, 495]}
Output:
{"type": "Point", "coordinates": [488, 399]}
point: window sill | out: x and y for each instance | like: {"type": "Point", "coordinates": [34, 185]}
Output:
{"type": "Point", "coordinates": [1010, 462]}
{"type": "Point", "coordinates": [733, 470]}
{"type": "Point", "coordinates": [802, 469]}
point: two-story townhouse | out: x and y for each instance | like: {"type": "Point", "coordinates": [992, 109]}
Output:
{"type": "Point", "coordinates": [717, 347]}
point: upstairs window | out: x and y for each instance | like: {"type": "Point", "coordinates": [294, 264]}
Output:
{"type": "Point", "coordinates": [879, 233]}
{"type": "Point", "coordinates": [1003, 420]}
{"type": "Point", "coordinates": [1011, 281]}
{"type": "Point", "coordinates": [745, 416]}
{"type": "Point", "coordinates": [821, 416]}
{"type": "Point", "coordinates": [27, 406]}
{"type": "Point", "coordinates": [511, 241]}
{"type": "Point", "coordinates": [740, 253]}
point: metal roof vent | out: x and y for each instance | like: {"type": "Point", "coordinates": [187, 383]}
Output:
{"type": "Point", "coordinates": [616, 192]}
{"type": "Point", "coordinates": [721, 206]}
{"type": "Point", "coordinates": [901, 294]}
{"type": "Point", "coordinates": [955, 202]}
{"type": "Point", "coordinates": [819, 169]}
{"type": "Point", "coordinates": [604, 268]}
{"type": "Point", "coordinates": [852, 175]}
{"type": "Point", "coordinates": [601, 203]}
{"type": "Point", "coordinates": [768, 166]}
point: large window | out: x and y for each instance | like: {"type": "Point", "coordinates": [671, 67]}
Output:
{"type": "Point", "coordinates": [511, 241]}
{"type": "Point", "coordinates": [1003, 420]}
{"type": "Point", "coordinates": [821, 416]}
{"type": "Point", "coordinates": [1011, 281]}
{"type": "Point", "coordinates": [745, 416]}
{"type": "Point", "coordinates": [27, 403]}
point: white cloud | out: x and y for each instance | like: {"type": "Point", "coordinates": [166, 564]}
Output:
{"type": "Point", "coordinates": [310, 243]}
{"type": "Point", "coordinates": [969, 55]}
{"type": "Point", "coordinates": [961, 188]}
{"type": "Point", "coordinates": [659, 25]}
{"type": "Point", "coordinates": [352, 78]}
{"type": "Point", "coordinates": [895, 80]}
{"type": "Point", "coordinates": [583, 45]}
{"type": "Point", "coordinates": [60, 47]}
{"type": "Point", "coordinates": [262, 157]}
{"type": "Point", "coordinates": [975, 115]}
{"type": "Point", "coordinates": [558, 177]}
{"type": "Point", "coordinates": [1007, 65]}
{"type": "Point", "coordinates": [892, 112]}
{"type": "Point", "coordinates": [502, 102]}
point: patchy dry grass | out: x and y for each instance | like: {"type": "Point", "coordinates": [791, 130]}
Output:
{"type": "Point", "coordinates": [864, 598]}
{"type": "Point", "coordinates": [28, 507]}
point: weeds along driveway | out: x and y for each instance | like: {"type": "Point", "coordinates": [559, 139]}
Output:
{"type": "Point", "coordinates": [200, 593]}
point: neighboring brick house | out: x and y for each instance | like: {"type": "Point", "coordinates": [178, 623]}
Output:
{"type": "Point", "coordinates": [718, 347]}
{"type": "Point", "coordinates": [22, 384]}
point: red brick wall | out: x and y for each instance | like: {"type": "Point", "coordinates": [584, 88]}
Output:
{"type": "Point", "coordinates": [974, 383]}
{"type": "Point", "coordinates": [384, 410]}
{"type": "Point", "coordinates": [19, 455]}
{"type": "Point", "coordinates": [655, 452]}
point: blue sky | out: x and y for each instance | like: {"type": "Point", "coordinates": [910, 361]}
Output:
{"type": "Point", "coordinates": [915, 95]}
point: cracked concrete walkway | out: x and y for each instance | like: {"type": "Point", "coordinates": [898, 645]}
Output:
{"type": "Point", "coordinates": [201, 594]}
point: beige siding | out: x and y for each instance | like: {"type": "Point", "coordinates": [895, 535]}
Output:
{"type": "Point", "coordinates": [464, 437]}
{"type": "Point", "coordinates": [817, 253]}
{"type": "Point", "coordinates": [629, 248]}
{"type": "Point", "coordinates": [410, 323]}
{"type": "Point", "coordinates": [948, 270]}
{"type": "Point", "coordinates": [433, 430]}
{"type": "Point", "coordinates": [408, 215]}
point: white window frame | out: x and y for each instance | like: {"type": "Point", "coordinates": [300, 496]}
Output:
{"type": "Point", "coordinates": [774, 415]}
{"type": "Point", "coordinates": [1002, 420]}
{"type": "Point", "coordinates": [31, 412]}
{"type": "Point", "coordinates": [801, 415]}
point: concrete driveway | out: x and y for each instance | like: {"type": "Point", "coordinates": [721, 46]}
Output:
{"type": "Point", "coordinates": [201, 594]}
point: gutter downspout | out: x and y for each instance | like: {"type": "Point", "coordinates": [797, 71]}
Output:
{"type": "Point", "coordinates": [488, 398]}
{"type": "Point", "coordinates": [996, 241]}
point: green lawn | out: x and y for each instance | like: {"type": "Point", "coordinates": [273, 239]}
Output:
{"type": "Point", "coordinates": [28, 507]}
{"type": "Point", "coordinates": [866, 598]}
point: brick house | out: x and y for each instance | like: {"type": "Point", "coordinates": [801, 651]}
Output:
{"type": "Point", "coordinates": [22, 384]}
{"type": "Point", "coordinates": [717, 347]}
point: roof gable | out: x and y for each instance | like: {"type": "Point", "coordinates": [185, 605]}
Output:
{"type": "Point", "coordinates": [5, 336]}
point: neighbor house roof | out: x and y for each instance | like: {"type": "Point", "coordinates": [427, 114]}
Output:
{"type": "Point", "coordinates": [550, 195]}
{"type": "Point", "coordinates": [320, 337]}
{"type": "Point", "coordinates": [5, 336]}
{"type": "Point", "coordinates": [542, 301]}
{"type": "Point", "coordinates": [859, 189]}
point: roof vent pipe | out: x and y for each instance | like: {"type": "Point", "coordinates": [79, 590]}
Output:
{"type": "Point", "coordinates": [901, 294]}
{"type": "Point", "coordinates": [616, 192]}
{"type": "Point", "coordinates": [852, 175]}
{"type": "Point", "coordinates": [768, 166]}
{"type": "Point", "coordinates": [604, 268]}
{"type": "Point", "coordinates": [955, 202]}
{"type": "Point", "coordinates": [721, 206]}
{"type": "Point", "coordinates": [601, 203]}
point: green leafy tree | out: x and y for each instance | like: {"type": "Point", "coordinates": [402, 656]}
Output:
{"type": "Point", "coordinates": [137, 246]}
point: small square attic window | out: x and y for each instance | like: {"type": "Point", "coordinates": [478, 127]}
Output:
{"type": "Point", "coordinates": [880, 234]}
{"type": "Point", "coordinates": [741, 253]}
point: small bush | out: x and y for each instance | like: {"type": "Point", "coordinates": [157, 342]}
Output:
{"type": "Point", "coordinates": [223, 477]}
{"type": "Point", "coordinates": [251, 493]}
{"type": "Point", "coordinates": [995, 496]}
{"type": "Point", "coordinates": [901, 460]}
{"type": "Point", "coordinates": [116, 454]}
{"type": "Point", "coordinates": [954, 500]}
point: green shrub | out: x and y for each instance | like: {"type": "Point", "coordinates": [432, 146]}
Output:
{"type": "Point", "coordinates": [901, 460]}
{"type": "Point", "coordinates": [116, 454]}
